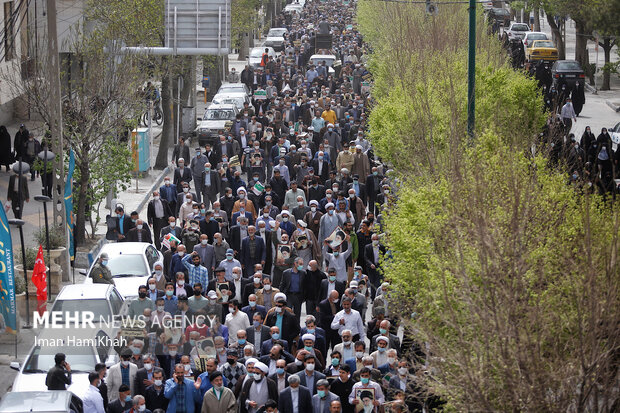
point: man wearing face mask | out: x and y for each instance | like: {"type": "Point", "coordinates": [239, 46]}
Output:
{"type": "Point", "coordinates": [243, 204]}
{"type": "Point", "coordinates": [219, 399]}
{"type": "Point", "coordinates": [154, 393]}
{"type": "Point", "coordinates": [144, 375]}
{"type": "Point", "coordinates": [295, 398]}
{"type": "Point", "coordinates": [122, 373]}
{"type": "Point", "coordinates": [309, 376]}
{"type": "Point", "coordinates": [257, 390]}
{"type": "Point", "coordinates": [182, 174]}
{"type": "Point", "coordinates": [101, 273]}
{"type": "Point", "coordinates": [158, 211]}
{"type": "Point", "coordinates": [328, 223]}
{"type": "Point", "coordinates": [292, 284]}
{"type": "Point", "coordinates": [323, 398]}
{"type": "Point", "coordinates": [122, 402]}
{"type": "Point", "coordinates": [181, 392]}
{"type": "Point", "coordinates": [197, 168]}
{"type": "Point", "coordinates": [252, 252]}
{"type": "Point", "coordinates": [93, 401]}
{"type": "Point", "coordinates": [140, 233]}
{"type": "Point", "coordinates": [172, 228]}
{"type": "Point", "coordinates": [372, 255]}
{"type": "Point", "coordinates": [366, 383]}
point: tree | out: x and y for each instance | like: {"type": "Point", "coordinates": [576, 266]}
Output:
{"type": "Point", "coordinates": [100, 98]}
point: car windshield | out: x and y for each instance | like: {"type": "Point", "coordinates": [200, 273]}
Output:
{"type": "Point", "coordinates": [219, 114]}
{"type": "Point", "coordinates": [276, 33]}
{"type": "Point", "coordinates": [538, 36]}
{"type": "Point", "coordinates": [543, 43]}
{"type": "Point", "coordinates": [230, 89]}
{"type": "Point", "coordinates": [80, 358]}
{"type": "Point", "coordinates": [501, 12]}
{"type": "Point", "coordinates": [99, 307]}
{"type": "Point", "coordinates": [127, 265]}
{"type": "Point", "coordinates": [256, 53]}
{"type": "Point", "coordinates": [568, 66]}
{"type": "Point", "coordinates": [328, 61]}
{"type": "Point", "coordinates": [231, 101]}
{"type": "Point", "coordinates": [520, 27]}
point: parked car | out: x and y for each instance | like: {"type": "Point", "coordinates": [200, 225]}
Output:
{"type": "Point", "coordinates": [48, 401]}
{"type": "Point", "coordinates": [83, 348]}
{"type": "Point", "coordinates": [615, 133]}
{"type": "Point", "coordinates": [256, 55]}
{"type": "Point", "coordinates": [237, 99]}
{"type": "Point", "coordinates": [542, 50]}
{"type": "Point", "coordinates": [531, 36]}
{"type": "Point", "coordinates": [517, 30]}
{"type": "Point", "coordinates": [293, 8]}
{"type": "Point", "coordinates": [103, 300]}
{"type": "Point", "coordinates": [215, 121]}
{"type": "Point", "coordinates": [501, 15]}
{"type": "Point", "coordinates": [275, 38]}
{"type": "Point", "coordinates": [131, 264]}
{"type": "Point", "coordinates": [566, 72]}
{"type": "Point", "coordinates": [232, 88]}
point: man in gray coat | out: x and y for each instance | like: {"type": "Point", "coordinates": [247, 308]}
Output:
{"type": "Point", "coordinates": [197, 166]}
{"type": "Point", "coordinates": [210, 182]}
{"type": "Point", "coordinates": [323, 397]}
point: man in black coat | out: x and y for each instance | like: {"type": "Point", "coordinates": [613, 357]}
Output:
{"type": "Point", "coordinates": [247, 76]}
{"type": "Point", "coordinates": [172, 228]}
{"type": "Point", "coordinates": [290, 324]}
{"type": "Point", "coordinates": [139, 233]}
{"type": "Point", "coordinates": [327, 310]}
{"type": "Point", "coordinates": [373, 186]}
{"type": "Point", "coordinates": [266, 235]}
{"type": "Point", "coordinates": [329, 283]}
{"type": "Point", "coordinates": [154, 394]}
{"type": "Point", "coordinates": [182, 174]}
{"type": "Point", "coordinates": [249, 387]}
{"type": "Point", "coordinates": [144, 376]}
{"type": "Point", "coordinates": [16, 197]}
{"type": "Point", "coordinates": [292, 284]}
{"type": "Point", "coordinates": [372, 260]}
{"type": "Point", "coordinates": [304, 398]}
{"type": "Point", "coordinates": [122, 228]}
{"type": "Point", "coordinates": [312, 286]}
{"type": "Point", "coordinates": [157, 213]}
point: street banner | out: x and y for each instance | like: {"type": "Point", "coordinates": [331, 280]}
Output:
{"type": "Point", "coordinates": [169, 236]}
{"type": "Point", "coordinates": [8, 309]}
{"type": "Point", "coordinates": [39, 280]}
{"type": "Point", "coordinates": [69, 203]}
{"type": "Point", "coordinates": [260, 94]}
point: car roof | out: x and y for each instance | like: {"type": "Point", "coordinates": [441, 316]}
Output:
{"type": "Point", "coordinates": [221, 106]}
{"type": "Point", "coordinates": [84, 291]}
{"type": "Point", "coordinates": [234, 85]}
{"type": "Point", "coordinates": [322, 56]}
{"type": "Point", "coordinates": [531, 33]}
{"type": "Point", "coordinates": [36, 401]}
{"type": "Point", "coordinates": [118, 248]}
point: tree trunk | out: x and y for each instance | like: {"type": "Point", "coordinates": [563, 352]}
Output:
{"type": "Point", "coordinates": [79, 233]}
{"type": "Point", "coordinates": [189, 81]}
{"type": "Point", "coordinates": [581, 43]}
{"type": "Point", "coordinates": [557, 37]}
{"type": "Point", "coordinates": [244, 47]}
{"type": "Point", "coordinates": [166, 134]}
{"type": "Point", "coordinates": [536, 19]}
{"type": "Point", "coordinates": [607, 45]}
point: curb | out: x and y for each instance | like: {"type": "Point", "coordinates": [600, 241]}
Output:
{"type": "Point", "coordinates": [590, 88]}
{"type": "Point", "coordinates": [612, 105]}
{"type": "Point", "coordinates": [155, 186]}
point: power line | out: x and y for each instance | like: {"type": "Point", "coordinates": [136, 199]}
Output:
{"type": "Point", "coordinates": [11, 25]}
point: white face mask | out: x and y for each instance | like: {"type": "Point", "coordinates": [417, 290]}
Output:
{"type": "Point", "coordinates": [204, 241]}
{"type": "Point", "coordinates": [267, 287]}
{"type": "Point", "coordinates": [391, 360]}
{"type": "Point", "coordinates": [148, 366]}
{"type": "Point", "coordinates": [152, 287]}
{"type": "Point", "coordinates": [158, 383]}
{"type": "Point", "coordinates": [402, 371]}
{"type": "Point", "coordinates": [188, 200]}
{"type": "Point", "coordinates": [310, 366]}
{"type": "Point", "coordinates": [313, 209]}
{"type": "Point", "coordinates": [142, 408]}
{"type": "Point", "coordinates": [160, 308]}
{"type": "Point", "coordinates": [359, 354]}
{"type": "Point", "coordinates": [181, 253]}
{"type": "Point", "coordinates": [181, 282]}
{"type": "Point", "coordinates": [139, 226]}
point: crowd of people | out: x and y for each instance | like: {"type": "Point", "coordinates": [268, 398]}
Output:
{"type": "Point", "coordinates": [270, 295]}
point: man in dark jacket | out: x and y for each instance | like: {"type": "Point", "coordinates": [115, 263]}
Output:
{"type": "Point", "coordinates": [157, 212]}
{"type": "Point", "coordinates": [16, 197]}
{"type": "Point", "coordinates": [304, 398]}
{"type": "Point", "coordinates": [292, 284]}
{"type": "Point", "coordinates": [250, 395]}
{"type": "Point", "coordinates": [59, 376]}
{"type": "Point", "coordinates": [290, 325]}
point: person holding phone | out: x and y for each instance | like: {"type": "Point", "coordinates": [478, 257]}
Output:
{"type": "Point", "coordinates": [59, 376]}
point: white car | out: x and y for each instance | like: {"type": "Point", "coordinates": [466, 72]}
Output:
{"type": "Point", "coordinates": [131, 264]}
{"type": "Point", "coordinates": [530, 37]}
{"type": "Point", "coordinates": [48, 401]}
{"type": "Point", "coordinates": [84, 346]}
{"type": "Point", "coordinates": [234, 88]}
{"type": "Point", "coordinates": [237, 99]}
{"type": "Point", "coordinates": [214, 121]}
{"type": "Point", "coordinates": [275, 38]}
{"type": "Point", "coordinates": [329, 60]}
{"type": "Point", "coordinates": [517, 30]}
{"type": "Point", "coordinates": [256, 55]}
{"type": "Point", "coordinates": [615, 133]}
{"type": "Point", "coordinates": [293, 8]}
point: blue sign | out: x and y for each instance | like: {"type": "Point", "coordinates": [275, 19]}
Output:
{"type": "Point", "coordinates": [69, 203]}
{"type": "Point", "coordinates": [8, 308]}
{"type": "Point", "coordinates": [205, 82]}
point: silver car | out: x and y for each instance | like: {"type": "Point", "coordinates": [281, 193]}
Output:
{"type": "Point", "coordinates": [131, 264]}
{"type": "Point", "coordinates": [49, 401]}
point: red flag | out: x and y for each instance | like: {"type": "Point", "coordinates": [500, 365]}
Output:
{"type": "Point", "coordinates": [39, 279]}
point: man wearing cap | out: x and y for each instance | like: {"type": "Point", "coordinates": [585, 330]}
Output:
{"type": "Point", "coordinates": [228, 264]}
{"type": "Point", "coordinates": [361, 165]}
{"type": "Point", "coordinates": [257, 390]}
{"type": "Point", "coordinates": [308, 341]}
{"type": "Point", "coordinates": [323, 398]}
{"type": "Point", "coordinates": [232, 369]}
{"type": "Point", "coordinates": [123, 372]}
{"type": "Point", "coordinates": [345, 158]}
{"type": "Point", "coordinates": [253, 251]}
{"type": "Point", "coordinates": [309, 376]}
{"type": "Point", "coordinates": [100, 273]}
{"type": "Point", "coordinates": [295, 398]}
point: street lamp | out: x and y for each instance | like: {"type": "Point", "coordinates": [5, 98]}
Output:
{"type": "Point", "coordinates": [46, 156]}
{"type": "Point", "coordinates": [20, 223]}
{"type": "Point", "coordinates": [45, 199]}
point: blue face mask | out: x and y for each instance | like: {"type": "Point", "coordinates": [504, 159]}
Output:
{"type": "Point", "coordinates": [169, 293]}
{"type": "Point", "coordinates": [128, 398]}
{"type": "Point", "coordinates": [300, 267]}
{"type": "Point", "coordinates": [311, 330]}
{"type": "Point", "coordinates": [280, 370]}
{"type": "Point", "coordinates": [308, 348]}
{"type": "Point", "coordinates": [364, 380]}
{"type": "Point", "coordinates": [275, 336]}
{"type": "Point", "coordinates": [321, 393]}
{"type": "Point", "coordinates": [192, 342]}
{"type": "Point", "coordinates": [241, 341]}
{"type": "Point", "coordinates": [335, 362]}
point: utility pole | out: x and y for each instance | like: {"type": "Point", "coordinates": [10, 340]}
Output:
{"type": "Point", "coordinates": [55, 110]}
{"type": "Point", "coordinates": [471, 72]}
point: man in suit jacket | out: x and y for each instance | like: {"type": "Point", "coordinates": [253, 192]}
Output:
{"type": "Point", "coordinates": [171, 228]}
{"type": "Point", "coordinates": [256, 330]}
{"type": "Point", "coordinates": [206, 253]}
{"type": "Point", "coordinates": [384, 330]}
{"type": "Point", "coordinates": [157, 212]}
{"type": "Point", "coordinates": [373, 186]}
{"type": "Point", "coordinates": [292, 284]}
{"type": "Point", "coordinates": [316, 191]}
{"type": "Point", "coordinates": [320, 167]}
{"type": "Point", "coordinates": [250, 386]}
{"type": "Point", "coordinates": [246, 258]}
{"type": "Point", "coordinates": [336, 285]}
{"type": "Point", "coordinates": [144, 376]}
{"type": "Point", "coordinates": [247, 214]}
{"type": "Point", "coordinates": [327, 310]}
{"type": "Point", "coordinates": [180, 151]}
{"type": "Point", "coordinates": [210, 187]}
{"type": "Point", "coordinates": [182, 174]}
{"type": "Point", "coordinates": [372, 260]}
{"type": "Point", "coordinates": [123, 224]}
{"type": "Point", "coordinates": [17, 203]}
{"type": "Point", "coordinates": [235, 235]}
{"type": "Point", "coordinates": [290, 325]}
{"type": "Point", "coordinates": [115, 376]}
{"type": "Point", "coordinates": [322, 400]}
{"type": "Point", "coordinates": [309, 373]}
{"type": "Point", "coordinates": [265, 234]}
{"type": "Point", "coordinates": [168, 191]}
{"type": "Point", "coordinates": [304, 398]}
{"type": "Point", "coordinates": [140, 233]}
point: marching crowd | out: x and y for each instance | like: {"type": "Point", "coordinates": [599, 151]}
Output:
{"type": "Point", "coordinates": [270, 295]}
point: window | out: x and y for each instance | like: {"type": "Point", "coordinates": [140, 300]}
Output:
{"type": "Point", "coordinates": [9, 31]}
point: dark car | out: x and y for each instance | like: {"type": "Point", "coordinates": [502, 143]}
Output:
{"type": "Point", "coordinates": [566, 72]}
{"type": "Point", "coordinates": [500, 15]}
